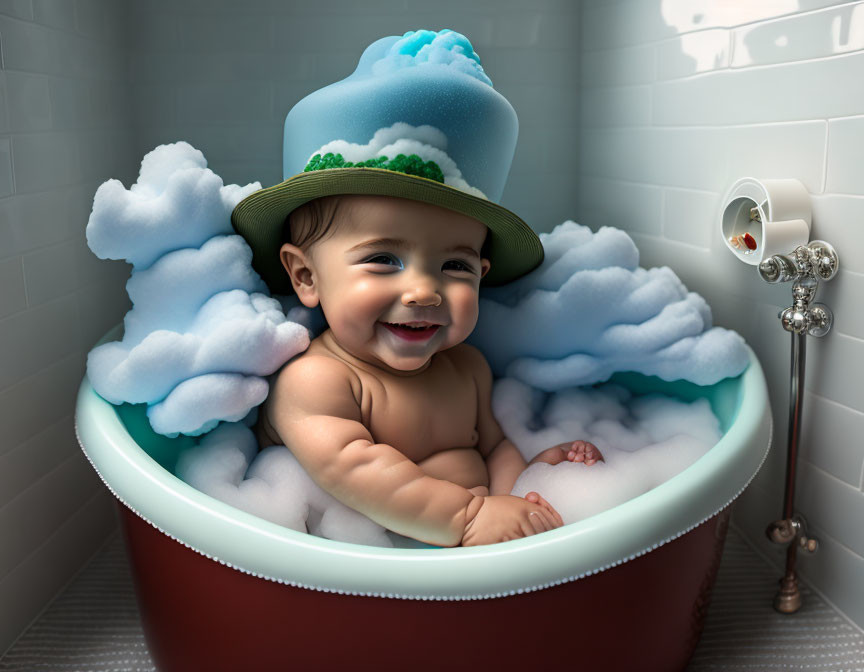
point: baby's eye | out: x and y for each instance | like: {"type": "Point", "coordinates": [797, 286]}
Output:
{"type": "Point", "coordinates": [462, 266]}
{"type": "Point", "coordinates": [382, 259]}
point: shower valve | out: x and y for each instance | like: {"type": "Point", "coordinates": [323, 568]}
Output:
{"type": "Point", "coordinates": [806, 266]}
{"type": "Point", "coordinates": [790, 529]}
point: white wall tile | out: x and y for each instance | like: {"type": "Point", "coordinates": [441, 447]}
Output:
{"type": "Point", "coordinates": [28, 462]}
{"type": "Point", "coordinates": [6, 179]}
{"type": "Point", "coordinates": [831, 438]}
{"type": "Point", "coordinates": [22, 9]}
{"type": "Point", "coordinates": [540, 148]}
{"type": "Point", "coordinates": [839, 219]}
{"type": "Point", "coordinates": [835, 30]}
{"type": "Point", "coordinates": [618, 67]}
{"type": "Point", "coordinates": [843, 295]}
{"type": "Point", "coordinates": [536, 65]}
{"type": "Point", "coordinates": [8, 246]}
{"type": "Point", "coordinates": [54, 387]}
{"type": "Point", "coordinates": [788, 92]}
{"type": "Point", "coordinates": [4, 98]}
{"type": "Point", "coordinates": [541, 103]}
{"type": "Point", "coordinates": [832, 370]}
{"type": "Point", "coordinates": [50, 272]}
{"type": "Point", "coordinates": [45, 161]}
{"type": "Point", "coordinates": [48, 217]}
{"type": "Point", "coordinates": [623, 24]}
{"type": "Point", "coordinates": [693, 53]}
{"type": "Point", "coordinates": [692, 157]}
{"type": "Point", "coordinates": [212, 32]}
{"type": "Point", "coordinates": [97, 19]}
{"type": "Point", "coordinates": [31, 48]}
{"type": "Point", "coordinates": [624, 106]}
{"type": "Point", "coordinates": [54, 13]}
{"type": "Point", "coordinates": [845, 172]}
{"type": "Point", "coordinates": [37, 337]}
{"type": "Point", "coordinates": [637, 22]}
{"type": "Point", "coordinates": [638, 207]}
{"type": "Point", "coordinates": [689, 216]}
{"type": "Point", "coordinates": [778, 150]}
{"type": "Point", "coordinates": [12, 294]}
{"type": "Point", "coordinates": [228, 101]}
{"type": "Point", "coordinates": [101, 306]}
{"type": "Point", "coordinates": [29, 105]}
{"type": "Point", "coordinates": [533, 28]}
{"type": "Point", "coordinates": [35, 514]}
{"type": "Point", "coordinates": [156, 30]}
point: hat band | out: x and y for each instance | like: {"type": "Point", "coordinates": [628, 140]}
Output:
{"type": "Point", "coordinates": [410, 165]}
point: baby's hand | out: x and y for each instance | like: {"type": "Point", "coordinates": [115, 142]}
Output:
{"type": "Point", "coordinates": [575, 451]}
{"type": "Point", "coordinates": [505, 517]}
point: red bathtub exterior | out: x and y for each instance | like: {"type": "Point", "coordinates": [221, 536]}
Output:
{"type": "Point", "coordinates": [643, 615]}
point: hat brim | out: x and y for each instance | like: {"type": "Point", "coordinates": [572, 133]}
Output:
{"type": "Point", "coordinates": [514, 248]}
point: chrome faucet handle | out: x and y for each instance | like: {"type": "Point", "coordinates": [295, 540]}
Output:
{"type": "Point", "coordinates": [806, 266]}
{"type": "Point", "coordinates": [787, 530]}
{"type": "Point", "coordinates": [817, 259]}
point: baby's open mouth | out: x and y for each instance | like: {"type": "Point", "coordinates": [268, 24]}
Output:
{"type": "Point", "coordinates": [412, 333]}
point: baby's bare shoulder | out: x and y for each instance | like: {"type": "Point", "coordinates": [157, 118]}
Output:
{"type": "Point", "coordinates": [316, 384]}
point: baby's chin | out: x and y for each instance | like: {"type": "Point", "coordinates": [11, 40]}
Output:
{"type": "Point", "coordinates": [408, 356]}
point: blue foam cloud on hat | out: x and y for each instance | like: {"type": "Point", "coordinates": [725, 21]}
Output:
{"type": "Point", "coordinates": [421, 78]}
{"type": "Point", "coordinates": [423, 47]}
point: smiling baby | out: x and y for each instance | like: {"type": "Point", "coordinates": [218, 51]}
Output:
{"type": "Point", "coordinates": [388, 409]}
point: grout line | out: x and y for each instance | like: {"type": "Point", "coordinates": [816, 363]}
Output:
{"type": "Point", "coordinates": [825, 158]}
{"type": "Point", "coordinates": [24, 283]}
{"type": "Point", "coordinates": [731, 47]}
{"type": "Point", "coordinates": [663, 197]}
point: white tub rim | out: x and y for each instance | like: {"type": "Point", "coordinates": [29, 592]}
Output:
{"type": "Point", "coordinates": [261, 548]}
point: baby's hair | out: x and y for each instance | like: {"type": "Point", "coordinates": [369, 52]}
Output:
{"type": "Point", "coordinates": [312, 221]}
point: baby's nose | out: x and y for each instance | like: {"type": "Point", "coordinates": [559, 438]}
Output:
{"type": "Point", "coordinates": [423, 293]}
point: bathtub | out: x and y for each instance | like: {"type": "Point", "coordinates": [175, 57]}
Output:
{"type": "Point", "coordinates": [627, 589]}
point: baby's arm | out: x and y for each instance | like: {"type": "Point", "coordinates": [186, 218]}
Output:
{"type": "Point", "coordinates": [316, 414]}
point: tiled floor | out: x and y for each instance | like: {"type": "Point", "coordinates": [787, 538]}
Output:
{"type": "Point", "coordinates": [93, 625]}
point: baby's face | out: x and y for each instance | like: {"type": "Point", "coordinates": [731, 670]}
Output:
{"type": "Point", "coordinates": [432, 276]}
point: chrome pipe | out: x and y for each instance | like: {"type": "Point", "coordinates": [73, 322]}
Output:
{"type": "Point", "coordinates": [804, 267]}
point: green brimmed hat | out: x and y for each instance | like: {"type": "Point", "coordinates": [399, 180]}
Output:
{"type": "Point", "coordinates": [417, 119]}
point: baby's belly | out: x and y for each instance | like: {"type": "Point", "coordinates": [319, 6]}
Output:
{"type": "Point", "coordinates": [463, 466]}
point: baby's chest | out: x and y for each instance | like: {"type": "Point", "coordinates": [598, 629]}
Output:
{"type": "Point", "coordinates": [421, 418]}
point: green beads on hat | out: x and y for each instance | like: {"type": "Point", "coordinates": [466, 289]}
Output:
{"type": "Point", "coordinates": [410, 165]}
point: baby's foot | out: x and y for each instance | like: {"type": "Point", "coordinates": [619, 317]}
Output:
{"type": "Point", "coordinates": [584, 451]}
{"type": "Point", "coordinates": [574, 451]}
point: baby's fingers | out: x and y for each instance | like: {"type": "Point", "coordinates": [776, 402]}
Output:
{"type": "Point", "coordinates": [539, 522]}
{"type": "Point", "coordinates": [550, 511]}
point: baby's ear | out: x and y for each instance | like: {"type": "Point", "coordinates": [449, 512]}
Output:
{"type": "Point", "coordinates": [299, 268]}
{"type": "Point", "coordinates": [485, 265]}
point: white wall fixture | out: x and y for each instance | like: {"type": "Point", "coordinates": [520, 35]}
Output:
{"type": "Point", "coordinates": [761, 218]}
{"type": "Point", "coordinates": [767, 222]}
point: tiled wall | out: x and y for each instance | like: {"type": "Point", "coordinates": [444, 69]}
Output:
{"type": "Point", "coordinates": [680, 99]}
{"type": "Point", "coordinates": [64, 128]}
